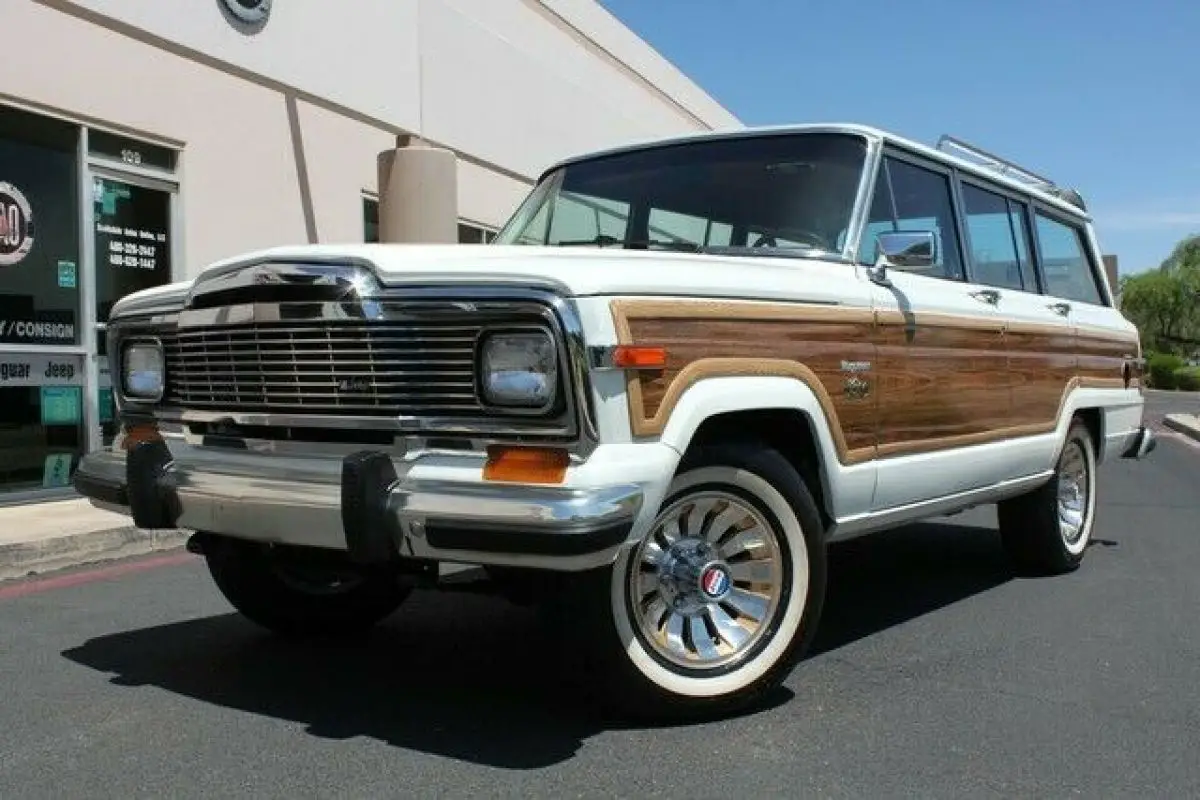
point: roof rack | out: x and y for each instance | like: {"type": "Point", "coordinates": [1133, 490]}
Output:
{"type": "Point", "coordinates": [949, 144]}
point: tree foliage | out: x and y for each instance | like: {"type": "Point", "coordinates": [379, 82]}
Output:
{"type": "Point", "coordinates": [1165, 303]}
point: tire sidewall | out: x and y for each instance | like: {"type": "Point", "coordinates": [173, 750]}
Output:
{"type": "Point", "coordinates": [1079, 435]}
{"type": "Point", "coordinates": [805, 584]}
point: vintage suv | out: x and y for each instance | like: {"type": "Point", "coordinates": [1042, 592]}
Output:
{"type": "Point", "coordinates": [681, 370]}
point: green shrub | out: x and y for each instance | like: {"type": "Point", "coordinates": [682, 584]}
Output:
{"type": "Point", "coordinates": [1163, 367]}
{"type": "Point", "coordinates": [1188, 379]}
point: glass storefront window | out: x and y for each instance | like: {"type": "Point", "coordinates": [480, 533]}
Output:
{"type": "Point", "coordinates": [39, 231]}
{"type": "Point", "coordinates": [47, 300]}
{"type": "Point", "coordinates": [370, 208]}
{"type": "Point", "coordinates": [41, 420]}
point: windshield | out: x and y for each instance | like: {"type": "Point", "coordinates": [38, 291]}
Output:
{"type": "Point", "coordinates": [774, 194]}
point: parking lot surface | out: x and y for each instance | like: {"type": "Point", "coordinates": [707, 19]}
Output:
{"type": "Point", "coordinates": [937, 673]}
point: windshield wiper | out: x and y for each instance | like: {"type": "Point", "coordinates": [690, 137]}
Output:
{"type": "Point", "coordinates": [604, 240]}
{"type": "Point", "coordinates": [770, 252]}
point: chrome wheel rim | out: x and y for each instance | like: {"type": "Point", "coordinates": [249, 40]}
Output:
{"type": "Point", "coordinates": [1073, 494]}
{"type": "Point", "coordinates": [706, 584]}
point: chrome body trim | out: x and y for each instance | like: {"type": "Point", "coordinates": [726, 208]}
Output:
{"type": "Point", "coordinates": [849, 527]}
{"type": "Point", "coordinates": [296, 500]}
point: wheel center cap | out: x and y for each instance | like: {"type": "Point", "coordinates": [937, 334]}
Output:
{"type": "Point", "coordinates": [690, 577]}
{"type": "Point", "coordinates": [714, 581]}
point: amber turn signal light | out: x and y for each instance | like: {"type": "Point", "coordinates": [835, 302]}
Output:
{"type": "Point", "coordinates": [526, 464]}
{"type": "Point", "coordinates": [142, 432]}
{"type": "Point", "coordinates": [628, 356]}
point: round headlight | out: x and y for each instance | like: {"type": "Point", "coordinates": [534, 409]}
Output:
{"type": "Point", "coordinates": [142, 372]}
{"type": "Point", "coordinates": [519, 369]}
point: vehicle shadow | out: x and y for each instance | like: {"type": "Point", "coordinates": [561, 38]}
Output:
{"type": "Point", "coordinates": [877, 582]}
{"type": "Point", "coordinates": [479, 680]}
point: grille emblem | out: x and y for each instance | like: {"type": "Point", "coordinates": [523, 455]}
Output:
{"type": "Point", "coordinates": [356, 384]}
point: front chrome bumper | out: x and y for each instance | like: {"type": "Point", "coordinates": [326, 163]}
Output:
{"type": "Point", "coordinates": [375, 507]}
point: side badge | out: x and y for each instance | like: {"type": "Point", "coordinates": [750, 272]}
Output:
{"type": "Point", "coordinates": [855, 386]}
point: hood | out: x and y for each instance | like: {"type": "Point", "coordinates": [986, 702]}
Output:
{"type": "Point", "coordinates": [582, 271]}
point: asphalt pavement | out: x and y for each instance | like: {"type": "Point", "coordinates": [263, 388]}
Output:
{"type": "Point", "coordinates": [937, 673]}
{"type": "Point", "coordinates": [1160, 403]}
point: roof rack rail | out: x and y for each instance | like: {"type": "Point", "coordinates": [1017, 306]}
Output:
{"type": "Point", "coordinates": [950, 144]}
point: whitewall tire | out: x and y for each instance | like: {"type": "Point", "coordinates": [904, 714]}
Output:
{"type": "Point", "coordinates": [715, 605]}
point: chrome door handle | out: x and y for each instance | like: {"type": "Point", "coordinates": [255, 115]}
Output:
{"type": "Point", "coordinates": [989, 296]}
{"type": "Point", "coordinates": [1062, 309]}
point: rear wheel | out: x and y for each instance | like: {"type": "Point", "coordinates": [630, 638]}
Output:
{"type": "Point", "coordinates": [715, 606]}
{"type": "Point", "coordinates": [1048, 529]}
{"type": "Point", "coordinates": [301, 594]}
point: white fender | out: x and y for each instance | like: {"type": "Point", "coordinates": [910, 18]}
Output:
{"type": "Point", "coordinates": [849, 489]}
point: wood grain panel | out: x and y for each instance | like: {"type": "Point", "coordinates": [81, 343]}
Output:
{"type": "Point", "coordinates": [939, 378]}
{"type": "Point", "coordinates": [1042, 360]}
{"type": "Point", "coordinates": [719, 339]}
{"type": "Point", "coordinates": [936, 382]}
{"type": "Point", "coordinates": [1103, 356]}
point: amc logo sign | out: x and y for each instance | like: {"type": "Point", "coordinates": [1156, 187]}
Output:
{"type": "Point", "coordinates": [16, 225]}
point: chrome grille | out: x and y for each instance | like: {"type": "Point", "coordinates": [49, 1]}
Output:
{"type": "Point", "coordinates": [366, 368]}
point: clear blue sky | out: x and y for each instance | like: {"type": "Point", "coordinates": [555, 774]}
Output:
{"type": "Point", "coordinates": [1103, 95]}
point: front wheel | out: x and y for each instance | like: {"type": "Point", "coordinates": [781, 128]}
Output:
{"type": "Point", "coordinates": [715, 606]}
{"type": "Point", "coordinates": [301, 594]}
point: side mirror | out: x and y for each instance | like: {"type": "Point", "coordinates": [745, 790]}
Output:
{"type": "Point", "coordinates": [907, 251]}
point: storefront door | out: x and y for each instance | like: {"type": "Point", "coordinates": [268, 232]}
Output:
{"type": "Point", "coordinates": [132, 246]}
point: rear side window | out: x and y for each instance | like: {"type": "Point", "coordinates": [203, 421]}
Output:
{"type": "Point", "coordinates": [999, 240]}
{"type": "Point", "coordinates": [1065, 263]}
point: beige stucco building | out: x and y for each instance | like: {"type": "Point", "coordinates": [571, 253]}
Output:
{"type": "Point", "coordinates": [141, 140]}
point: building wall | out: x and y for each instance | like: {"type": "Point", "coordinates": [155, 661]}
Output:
{"type": "Point", "coordinates": [280, 128]}
{"type": "Point", "coordinates": [273, 135]}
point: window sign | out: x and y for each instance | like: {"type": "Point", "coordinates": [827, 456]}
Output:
{"type": "Point", "coordinates": [40, 369]}
{"type": "Point", "coordinates": [56, 471]}
{"type": "Point", "coordinates": [67, 275]}
{"type": "Point", "coordinates": [133, 241]}
{"type": "Point", "coordinates": [16, 225]}
{"type": "Point", "coordinates": [61, 405]}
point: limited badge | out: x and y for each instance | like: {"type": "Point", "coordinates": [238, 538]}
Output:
{"type": "Point", "coordinates": [714, 581]}
{"type": "Point", "coordinates": [16, 225]}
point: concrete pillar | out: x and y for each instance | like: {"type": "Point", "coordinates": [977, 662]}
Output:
{"type": "Point", "coordinates": [418, 193]}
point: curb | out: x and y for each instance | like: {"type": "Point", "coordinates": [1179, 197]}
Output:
{"type": "Point", "coordinates": [1187, 424]}
{"type": "Point", "coordinates": [23, 559]}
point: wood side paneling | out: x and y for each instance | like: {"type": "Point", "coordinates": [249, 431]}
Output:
{"type": "Point", "coordinates": [939, 378]}
{"type": "Point", "coordinates": [937, 382]}
{"type": "Point", "coordinates": [1042, 360]}
{"type": "Point", "coordinates": [705, 340]}
{"type": "Point", "coordinates": [1105, 356]}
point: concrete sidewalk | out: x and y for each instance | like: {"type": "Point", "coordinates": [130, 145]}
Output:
{"type": "Point", "coordinates": [1187, 424]}
{"type": "Point", "coordinates": [42, 537]}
